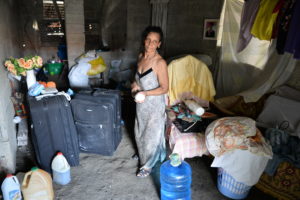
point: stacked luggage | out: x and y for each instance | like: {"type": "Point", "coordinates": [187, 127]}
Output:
{"type": "Point", "coordinates": [91, 123]}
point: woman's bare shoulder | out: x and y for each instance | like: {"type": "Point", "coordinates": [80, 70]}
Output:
{"type": "Point", "coordinates": [160, 64]}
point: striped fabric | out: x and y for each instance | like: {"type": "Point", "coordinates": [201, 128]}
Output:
{"type": "Point", "coordinates": [187, 145]}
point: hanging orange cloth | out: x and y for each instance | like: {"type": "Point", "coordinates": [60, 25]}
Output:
{"type": "Point", "coordinates": [265, 19]}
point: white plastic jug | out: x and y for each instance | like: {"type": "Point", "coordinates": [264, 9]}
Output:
{"type": "Point", "coordinates": [61, 169]}
{"type": "Point", "coordinates": [11, 188]}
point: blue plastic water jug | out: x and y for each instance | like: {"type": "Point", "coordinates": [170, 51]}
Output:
{"type": "Point", "coordinates": [175, 179]}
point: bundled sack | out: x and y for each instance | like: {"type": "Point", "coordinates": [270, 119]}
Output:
{"type": "Point", "coordinates": [230, 133]}
{"type": "Point", "coordinates": [87, 65]}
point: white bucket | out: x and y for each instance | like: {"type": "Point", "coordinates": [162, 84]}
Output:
{"type": "Point", "coordinates": [11, 188]}
{"type": "Point", "coordinates": [61, 169]}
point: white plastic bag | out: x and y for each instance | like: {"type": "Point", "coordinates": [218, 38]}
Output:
{"type": "Point", "coordinates": [78, 77]}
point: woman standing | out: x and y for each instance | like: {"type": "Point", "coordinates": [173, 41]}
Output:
{"type": "Point", "coordinates": [151, 81]}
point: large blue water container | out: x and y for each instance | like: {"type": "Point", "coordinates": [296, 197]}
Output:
{"type": "Point", "coordinates": [175, 179]}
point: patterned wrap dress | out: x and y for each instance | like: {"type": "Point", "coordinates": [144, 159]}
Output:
{"type": "Point", "coordinates": [150, 122]}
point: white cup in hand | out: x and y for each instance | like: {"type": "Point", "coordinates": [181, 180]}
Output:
{"type": "Point", "coordinates": [139, 97]}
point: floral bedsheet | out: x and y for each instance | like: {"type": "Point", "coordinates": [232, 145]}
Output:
{"type": "Point", "coordinates": [230, 133]}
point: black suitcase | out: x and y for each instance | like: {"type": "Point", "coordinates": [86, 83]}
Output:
{"type": "Point", "coordinates": [53, 130]}
{"type": "Point", "coordinates": [97, 116]}
{"type": "Point", "coordinates": [115, 96]}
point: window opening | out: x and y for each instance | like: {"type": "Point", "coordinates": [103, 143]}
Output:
{"type": "Point", "coordinates": [53, 23]}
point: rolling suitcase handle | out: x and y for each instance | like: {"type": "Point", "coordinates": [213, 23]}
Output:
{"type": "Point", "coordinates": [68, 97]}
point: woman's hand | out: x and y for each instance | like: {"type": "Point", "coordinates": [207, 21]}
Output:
{"type": "Point", "coordinates": [140, 97]}
{"type": "Point", "coordinates": [135, 87]}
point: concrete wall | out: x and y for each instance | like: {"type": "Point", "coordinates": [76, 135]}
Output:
{"type": "Point", "coordinates": [138, 17]}
{"type": "Point", "coordinates": [185, 26]}
{"type": "Point", "coordinates": [30, 39]}
{"type": "Point", "coordinates": [74, 22]}
{"type": "Point", "coordinates": [114, 23]}
{"type": "Point", "coordinates": [122, 23]}
{"type": "Point", "coordinates": [9, 46]}
{"type": "Point", "coordinates": [184, 29]}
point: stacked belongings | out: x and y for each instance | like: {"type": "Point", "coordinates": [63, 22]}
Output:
{"type": "Point", "coordinates": [187, 128]}
{"type": "Point", "coordinates": [88, 68]}
{"type": "Point", "coordinates": [186, 120]}
{"type": "Point", "coordinates": [241, 154]}
{"type": "Point", "coordinates": [189, 78]}
{"type": "Point", "coordinates": [280, 117]}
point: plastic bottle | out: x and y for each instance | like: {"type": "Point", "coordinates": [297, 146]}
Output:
{"type": "Point", "coordinates": [37, 185]}
{"type": "Point", "coordinates": [175, 179]}
{"type": "Point", "coordinates": [11, 188]}
{"type": "Point", "coordinates": [61, 169]}
{"type": "Point", "coordinates": [195, 107]}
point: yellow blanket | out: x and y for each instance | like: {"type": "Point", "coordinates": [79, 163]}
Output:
{"type": "Point", "coordinates": [188, 74]}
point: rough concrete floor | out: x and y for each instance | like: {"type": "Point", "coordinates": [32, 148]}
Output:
{"type": "Point", "coordinates": [113, 178]}
{"type": "Point", "coordinates": [101, 177]}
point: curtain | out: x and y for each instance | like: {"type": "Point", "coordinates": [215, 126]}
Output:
{"type": "Point", "coordinates": [255, 70]}
{"type": "Point", "coordinates": [159, 14]}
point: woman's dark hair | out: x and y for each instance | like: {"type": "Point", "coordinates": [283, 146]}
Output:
{"type": "Point", "coordinates": [151, 29]}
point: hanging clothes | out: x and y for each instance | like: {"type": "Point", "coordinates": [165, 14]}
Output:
{"type": "Point", "coordinates": [249, 12]}
{"type": "Point", "coordinates": [278, 8]}
{"type": "Point", "coordinates": [265, 19]}
{"type": "Point", "coordinates": [237, 72]}
{"type": "Point", "coordinates": [293, 39]}
{"type": "Point", "coordinates": [284, 19]}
